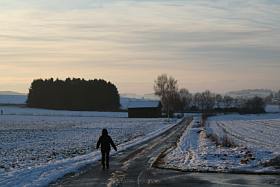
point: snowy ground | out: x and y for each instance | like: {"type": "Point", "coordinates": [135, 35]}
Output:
{"type": "Point", "coordinates": [36, 149]}
{"type": "Point", "coordinates": [229, 143]}
{"type": "Point", "coordinates": [13, 99]}
{"type": "Point", "coordinates": [272, 108]}
{"type": "Point", "coordinates": [14, 110]}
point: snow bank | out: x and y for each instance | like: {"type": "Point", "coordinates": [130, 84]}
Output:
{"type": "Point", "coordinates": [233, 117]}
{"type": "Point", "coordinates": [229, 143]}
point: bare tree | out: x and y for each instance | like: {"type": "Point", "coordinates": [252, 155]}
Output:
{"type": "Point", "coordinates": [161, 86]}
{"type": "Point", "coordinates": [237, 102]}
{"type": "Point", "coordinates": [167, 89]}
{"type": "Point", "coordinates": [254, 105]}
{"type": "Point", "coordinates": [278, 98]}
{"type": "Point", "coordinates": [185, 99]}
{"type": "Point", "coordinates": [218, 100]}
{"type": "Point", "coordinates": [268, 99]}
{"type": "Point", "coordinates": [208, 100]}
{"type": "Point", "coordinates": [228, 101]}
{"type": "Point", "coordinates": [197, 100]}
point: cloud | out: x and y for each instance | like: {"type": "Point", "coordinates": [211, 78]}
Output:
{"type": "Point", "coordinates": [196, 41]}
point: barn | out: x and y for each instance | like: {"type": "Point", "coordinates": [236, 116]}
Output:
{"type": "Point", "coordinates": [144, 109]}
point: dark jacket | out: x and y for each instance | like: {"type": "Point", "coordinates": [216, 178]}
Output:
{"type": "Point", "coordinates": [106, 142]}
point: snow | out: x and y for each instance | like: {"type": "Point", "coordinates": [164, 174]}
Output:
{"type": "Point", "coordinates": [14, 110]}
{"type": "Point", "coordinates": [248, 117]}
{"type": "Point", "coordinates": [228, 143]}
{"type": "Point", "coordinates": [13, 99]}
{"type": "Point", "coordinates": [272, 108]}
{"type": "Point", "coordinates": [37, 149]}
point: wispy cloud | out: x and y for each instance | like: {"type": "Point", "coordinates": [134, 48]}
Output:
{"type": "Point", "coordinates": [202, 43]}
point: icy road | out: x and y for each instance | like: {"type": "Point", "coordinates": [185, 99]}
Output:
{"type": "Point", "coordinates": [135, 167]}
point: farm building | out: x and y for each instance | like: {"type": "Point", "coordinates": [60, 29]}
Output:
{"type": "Point", "coordinates": [144, 109]}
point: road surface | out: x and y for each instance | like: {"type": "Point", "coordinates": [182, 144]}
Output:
{"type": "Point", "coordinates": [133, 167]}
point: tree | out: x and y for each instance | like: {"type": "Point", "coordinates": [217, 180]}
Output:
{"type": "Point", "coordinates": [73, 94]}
{"type": "Point", "coordinates": [278, 98]}
{"type": "Point", "coordinates": [218, 100]}
{"type": "Point", "coordinates": [228, 101]}
{"type": "Point", "coordinates": [237, 102]}
{"type": "Point", "coordinates": [268, 99]}
{"type": "Point", "coordinates": [167, 89]}
{"type": "Point", "coordinates": [197, 100]}
{"type": "Point", "coordinates": [208, 100]}
{"type": "Point", "coordinates": [255, 105]}
{"type": "Point", "coordinates": [185, 99]}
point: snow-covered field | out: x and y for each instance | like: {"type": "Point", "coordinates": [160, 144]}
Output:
{"type": "Point", "coordinates": [229, 143]}
{"type": "Point", "coordinates": [14, 110]}
{"type": "Point", "coordinates": [36, 149]}
{"type": "Point", "coordinates": [13, 99]}
{"type": "Point", "coordinates": [272, 108]}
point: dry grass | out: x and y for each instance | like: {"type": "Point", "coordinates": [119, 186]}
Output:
{"type": "Point", "coordinates": [225, 141]}
{"type": "Point", "coordinates": [275, 162]}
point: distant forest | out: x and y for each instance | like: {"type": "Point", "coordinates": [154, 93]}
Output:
{"type": "Point", "coordinates": [74, 94]}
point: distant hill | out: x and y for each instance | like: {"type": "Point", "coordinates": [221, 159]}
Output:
{"type": "Point", "coordinates": [250, 93]}
{"type": "Point", "coordinates": [150, 96]}
{"type": "Point", "coordinates": [10, 93]}
{"type": "Point", "coordinates": [128, 101]}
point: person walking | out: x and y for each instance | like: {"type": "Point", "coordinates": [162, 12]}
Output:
{"type": "Point", "coordinates": [106, 142]}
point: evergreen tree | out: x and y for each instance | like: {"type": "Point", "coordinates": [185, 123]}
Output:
{"type": "Point", "coordinates": [74, 94]}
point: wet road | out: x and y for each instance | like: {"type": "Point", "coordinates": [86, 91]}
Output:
{"type": "Point", "coordinates": [133, 167]}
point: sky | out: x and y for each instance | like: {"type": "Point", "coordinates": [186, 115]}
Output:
{"type": "Point", "coordinates": [219, 45]}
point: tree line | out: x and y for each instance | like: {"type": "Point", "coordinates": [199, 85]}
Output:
{"type": "Point", "coordinates": [174, 99]}
{"type": "Point", "coordinates": [74, 94]}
